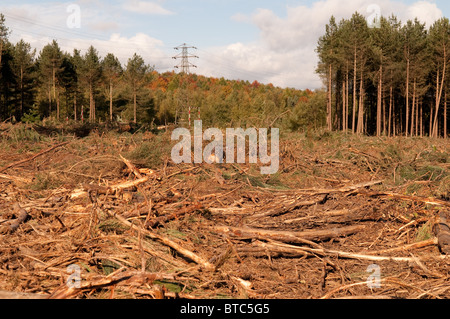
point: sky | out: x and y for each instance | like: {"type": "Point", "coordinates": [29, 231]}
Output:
{"type": "Point", "coordinates": [271, 41]}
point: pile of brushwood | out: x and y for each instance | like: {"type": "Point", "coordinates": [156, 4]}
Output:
{"type": "Point", "coordinates": [110, 215]}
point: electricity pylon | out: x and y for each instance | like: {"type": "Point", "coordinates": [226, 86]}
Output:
{"type": "Point", "coordinates": [184, 56]}
{"type": "Point", "coordinates": [185, 66]}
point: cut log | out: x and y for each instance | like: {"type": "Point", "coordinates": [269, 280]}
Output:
{"type": "Point", "coordinates": [442, 232]}
{"type": "Point", "coordinates": [286, 236]}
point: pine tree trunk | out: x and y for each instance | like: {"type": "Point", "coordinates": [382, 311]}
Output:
{"type": "Point", "coordinates": [135, 107]}
{"type": "Point", "coordinates": [54, 83]}
{"type": "Point", "coordinates": [413, 106]}
{"type": "Point", "coordinates": [91, 104]}
{"type": "Point", "coordinates": [57, 106]}
{"type": "Point", "coordinates": [347, 99]}
{"type": "Point", "coordinates": [445, 115]}
{"type": "Point", "coordinates": [390, 112]}
{"type": "Point", "coordinates": [343, 106]}
{"type": "Point", "coordinates": [50, 102]}
{"type": "Point", "coordinates": [407, 96]}
{"type": "Point", "coordinates": [379, 102]}
{"type": "Point", "coordinates": [110, 100]}
{"type": "Point", "coordinates": [21, 91]}
{"type": "Point", "coordinates": [438, 97]}
{"type": "Point", "coordinates": [354, 94]}
{"type": "Point", "coordinates": [421, 120]}
{"type": "Point", "coordinates": [360, 127]}
{"type": "Point", "coordinates": [75, 106]}
{"type": "Point", "coordinates": [431, 121]}
{"type": "Point", "coordinates": [417, 116]}
{"type": "Point", "coordinates": [329, 118]}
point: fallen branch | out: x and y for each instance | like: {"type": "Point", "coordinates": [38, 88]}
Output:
{"type": "Point", "coordinates": [105, 189]}
{"type": "Point", "coordinates": [16, 178]}
{"type": "Point", "coordinates": [12, 225]}
{"type": "Point", "coordinates": [131, 166]}
{"type": "Point", "coordinates": [165, 218]}
{"type": "Point", "coordinates": [285, 208]}
{"type": "Point", "coordinates": [345, 189]}
{"type": "Point", "coordinates": [129, 277]}
{"type": "Point", "coordinates": [306, 251]}
{"type": "Point", "coordinates": [32, 157]}
{"type": "Point", "coordinates": [166, 241]}
{"type": "Point", "coordinates": [422, 244]}
{"type": "Point", "coordinates": [285, 236]}
{"type": "Point", "coordinates": [425, 200]}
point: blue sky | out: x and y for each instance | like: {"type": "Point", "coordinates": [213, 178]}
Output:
{"type": "Point", "coordinates": [265, 40]}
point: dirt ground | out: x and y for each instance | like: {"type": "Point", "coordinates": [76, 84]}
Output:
{"type": "Point", "coordinates": [345, 217]}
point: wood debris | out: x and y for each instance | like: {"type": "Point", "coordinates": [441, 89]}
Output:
{"type": "Point", "coordinates": [201, 231]}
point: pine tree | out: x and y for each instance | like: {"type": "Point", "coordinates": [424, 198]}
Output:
{"type": "Point", "coordinates": [112, 70]}
{"type": "Point", "coordinates": [4, 33]}
{"type": "Point", "coordinates": [439, 41]}
{"type": "Point", "coordinates": [91, 72]}
{"type": "Point", "coordinates": [23, 67]}
{"type": "Point", "coordinates": [327, 50]}
{"type": "Point", "coordinates": [136, 70]}
{"type": "Point", "coordinates": [49, 60]}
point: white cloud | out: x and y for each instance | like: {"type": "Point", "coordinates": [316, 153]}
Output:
{"type": "Point", "coordinates": [145, 7]}
{"type": "Point", "coordinates": [285, 52]}
{"type": "Point", "coordinates": [427, 12]}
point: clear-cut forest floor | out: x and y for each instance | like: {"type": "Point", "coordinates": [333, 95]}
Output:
{"type": "Point", "coordinates": [345, 217]}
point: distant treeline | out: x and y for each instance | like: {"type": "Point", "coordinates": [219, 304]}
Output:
{"type": "Point", "coordinates": [389, 79]}
{"type": "Point", "coordinates": [61, 86]}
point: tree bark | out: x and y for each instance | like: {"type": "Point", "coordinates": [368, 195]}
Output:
{"type": "Point", "coordinates": [343, 106]}
{"type": "Point", "coordinates": [407, 95]}
{"type": "Point", "coordinates": [413, 107]}
{"type": "Point", "coordinates": [379, 101]}
{"type": "Point", "coordinates": [438, 98]}
{"type": "Point", "coordinates": [329, 118]}
{"type": "Point", "coordinates": [445, 116]}
{"type": "Point", "coordinates": [91, 104]}
{"type": "Point", "coordinates": [110, 100]}
{"type": "Point", "coordinates": [360, 127]}
{"type": "Point", "coordinates": [75, 106]}
{"type": "Point", "coordinates": [287, 236]}
{"type": "Point", "coordinates": [354, 94]}
{"type": "Point", "coordinates": [21, 91]}
{"type": "Point", "coordinates": [347, 99]}
{"type": "Point", "coordinates": [135, 107]}
{"type": "Point", "coordinates": [390, 112]}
